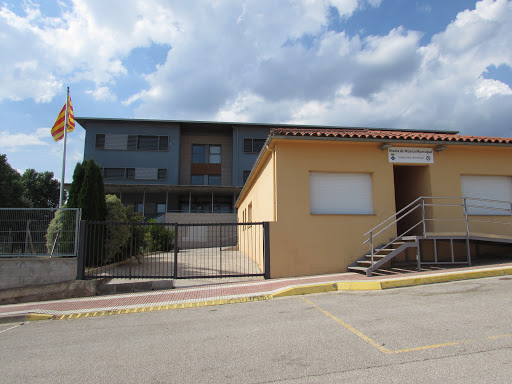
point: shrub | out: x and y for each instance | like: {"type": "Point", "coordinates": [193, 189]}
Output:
{"type": "Point", "coordinates": [60, 235]}
{"type": "Point", "coordinates": [117, 236]}
{"type": "Point", "coordinates": [159, 237]}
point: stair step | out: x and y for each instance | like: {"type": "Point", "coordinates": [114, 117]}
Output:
{"type": "Point", "coordinates": [365, 262]}
{"type": "Point", "coordinates": [358, 269]}
{"type": "Point", "coordinates": [409, 238]}
{"type": "Point", "coordinates": [368, 255]}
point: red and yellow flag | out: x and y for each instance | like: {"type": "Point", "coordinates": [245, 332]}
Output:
{"type": "Point", "coordinates": [58, 127]}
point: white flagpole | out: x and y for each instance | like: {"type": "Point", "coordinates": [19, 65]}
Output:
{"type": "Point", "coordinates": [64, 154]}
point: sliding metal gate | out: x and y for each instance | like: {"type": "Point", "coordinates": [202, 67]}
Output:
{"type": "Point", "coordinates": [171, 250]}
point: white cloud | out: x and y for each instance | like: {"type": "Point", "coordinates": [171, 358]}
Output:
{"type": "Point", "coordinates": [102, 94]}
{"type": "Point", "coordinates": [486, 88]}
{"type": "Point", "coordinates": [17, 141]}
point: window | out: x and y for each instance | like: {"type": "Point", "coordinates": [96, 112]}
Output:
{"type": "Point", "coordinates": [215, 154]}
{"type": "Point", "coordinates": [197, 180]}
{"type": "Point", "coordinates": [487, 187]}
{"type": "Point", "coordinates": [162, 174]}
{"type": "Point", "coordinates": [253, 145]}
{"type": "Point", "coordinates": [213, 179]}
{"type": "Point", "coordinates": [113, 173]}
{"type": "Point", "coordinates": [245, 176]}
{"type": "Point", "coordinates": [163, 143]}
{"type": "Point", "coordinates": [135, 173]}
{"type": "Point", "coordinates": [147, 143]}
{"type": "Point", "coordinates": [146, 173]}
{"type": "Point", "coordinates": [160, 208]}
{"type": "Point", "coordinates": [100, 141]}
{"type": "Point", "coordinates": [249, 213]}
{"type": "Point", "coordinates": [198, 153]}
{"type": "Point", "coordinates": [131, 142]}
{"type": "Point", "coordinates": [340, 193]}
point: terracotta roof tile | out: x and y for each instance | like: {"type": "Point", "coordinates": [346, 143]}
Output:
{"type": "Point", "coordinates": [380, 134]}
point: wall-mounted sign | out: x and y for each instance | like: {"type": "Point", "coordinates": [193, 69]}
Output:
{"type": "Point", "coordinates": [411, 155]}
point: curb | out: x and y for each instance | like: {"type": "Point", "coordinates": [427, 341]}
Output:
{"type": "Point", "coordinates": [285, 292]}
{"type": "Point", "coordinates": [26, 317]}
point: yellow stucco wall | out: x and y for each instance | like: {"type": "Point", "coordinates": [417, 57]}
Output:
{"type": "Point", "coordinates": [306, 244]}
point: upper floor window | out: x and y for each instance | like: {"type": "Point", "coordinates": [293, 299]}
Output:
{"type": "Point", "coordinates": [203, 153]}
{"type": "Point", "coordinates": [135, 173]}
{"type": "Point", "coordinates": [198, 151]}
{"type": "Point", "coordinates": [132, 142]}
{"type": "Point", "coordinates": [253, 145]}
{"type": "Point", "coordinates": [215, 154]}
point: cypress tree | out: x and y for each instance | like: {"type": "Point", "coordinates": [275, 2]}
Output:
{"type": "Point", "coordinates": [76, 185]}
{"type": "Point", "coordinates": [92, 194]}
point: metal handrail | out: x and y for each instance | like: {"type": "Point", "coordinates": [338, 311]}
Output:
{"type": "Point", "coordinates": [420, 202]}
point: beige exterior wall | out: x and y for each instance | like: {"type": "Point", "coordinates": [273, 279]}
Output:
{"type": "Point", "coordinates": [306, 244]}
{"type": "Point", "coordinates": [259, 206]}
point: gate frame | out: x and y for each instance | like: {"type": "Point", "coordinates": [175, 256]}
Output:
{"type": "Point", "coordinates": [81, 275]}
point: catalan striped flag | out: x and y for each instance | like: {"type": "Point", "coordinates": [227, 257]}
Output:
{"type": "Point", "coordinates": [58, 127]}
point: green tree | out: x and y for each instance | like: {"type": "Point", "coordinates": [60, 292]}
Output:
{"type": "Point", "coordinates": [11, 187]}
{"type": "Point", "coordinates": [40, 190]}
{"type": "Point", "coordinates": [117, 235]}
{"type": "Point", "coordinates": [88, 192]}
{"type": "Point", "coordinates": [76, 185]}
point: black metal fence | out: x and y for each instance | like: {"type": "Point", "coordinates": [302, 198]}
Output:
{"type": "Point", "coordinates": [172, 250]}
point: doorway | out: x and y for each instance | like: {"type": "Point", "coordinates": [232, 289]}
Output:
{"type": "Point", "coordinates": [411, 182]}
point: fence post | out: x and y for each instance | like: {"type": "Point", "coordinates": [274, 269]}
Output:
{"type": "Point", "coordinates": [220, 249]}
{"type": "Point", "coordinates": [423, 218]}
{"type": "Point", "coordinates": [80, 261]}
{"type": "Point", "coordinates": [266, 249]}
{"type": "Point", "coordinates": [176, 250]}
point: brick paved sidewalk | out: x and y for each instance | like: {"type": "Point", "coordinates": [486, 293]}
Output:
{"type": "Point", "coordinates": [216, 294]}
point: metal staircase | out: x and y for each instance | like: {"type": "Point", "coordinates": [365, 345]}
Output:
{"type": "Point", "coordinates": [423, 207]}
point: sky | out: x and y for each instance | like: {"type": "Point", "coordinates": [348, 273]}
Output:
{"type": "Point", "coordinates": [404, 64]}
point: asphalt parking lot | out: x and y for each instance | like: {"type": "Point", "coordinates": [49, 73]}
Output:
{"type": "Point", "coordinates": [450, 332]}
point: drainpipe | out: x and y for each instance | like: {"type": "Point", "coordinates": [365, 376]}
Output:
{"type": "Point", "coordinates": [275, 179]}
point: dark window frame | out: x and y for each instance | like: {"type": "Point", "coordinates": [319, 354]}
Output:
{"type": "Point", "coordinates": [253, 145]}
{"type": "Point", "coordinates": [161, 144]}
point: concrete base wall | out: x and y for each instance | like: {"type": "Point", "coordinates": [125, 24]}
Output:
{"type": "Point", "coordinates": [25, 271]}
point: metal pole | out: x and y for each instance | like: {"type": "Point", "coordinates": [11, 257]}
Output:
{"type": "Point", "coordinates": [423, 218]}
{"type": "Point", "coordinates": [266, 246]}
{"type": "Point", "coordinates": [80, 273]}
{"type": "Point", "coordinates": [466, 217]}
{"type": "Point", "coordinates": [64, 153]}
{"type": "Point", "coordinates": [220, 248]}
{"type": "Point", "coordinates": [371, 245]}
{"type": "Point", "coordinates": [175, 250]}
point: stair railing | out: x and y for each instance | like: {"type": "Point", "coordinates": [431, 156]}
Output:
{"type": "Point", "coordinates": [466, 204]}
{"type": "Point", "coordinates": [392, 220]}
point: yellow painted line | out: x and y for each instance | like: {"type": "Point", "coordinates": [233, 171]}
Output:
{"type": "Point", "coordinates": [396, 351]}
{"type": "Point", "coordinates": [349, 327]}
{"type": "Point", "coordinates": [425, 347]}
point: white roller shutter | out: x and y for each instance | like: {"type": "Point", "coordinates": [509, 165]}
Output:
{"type": "Point", "coordinates": [340, 193]}
{"type": "Point", "coordinates": [487, 187]}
